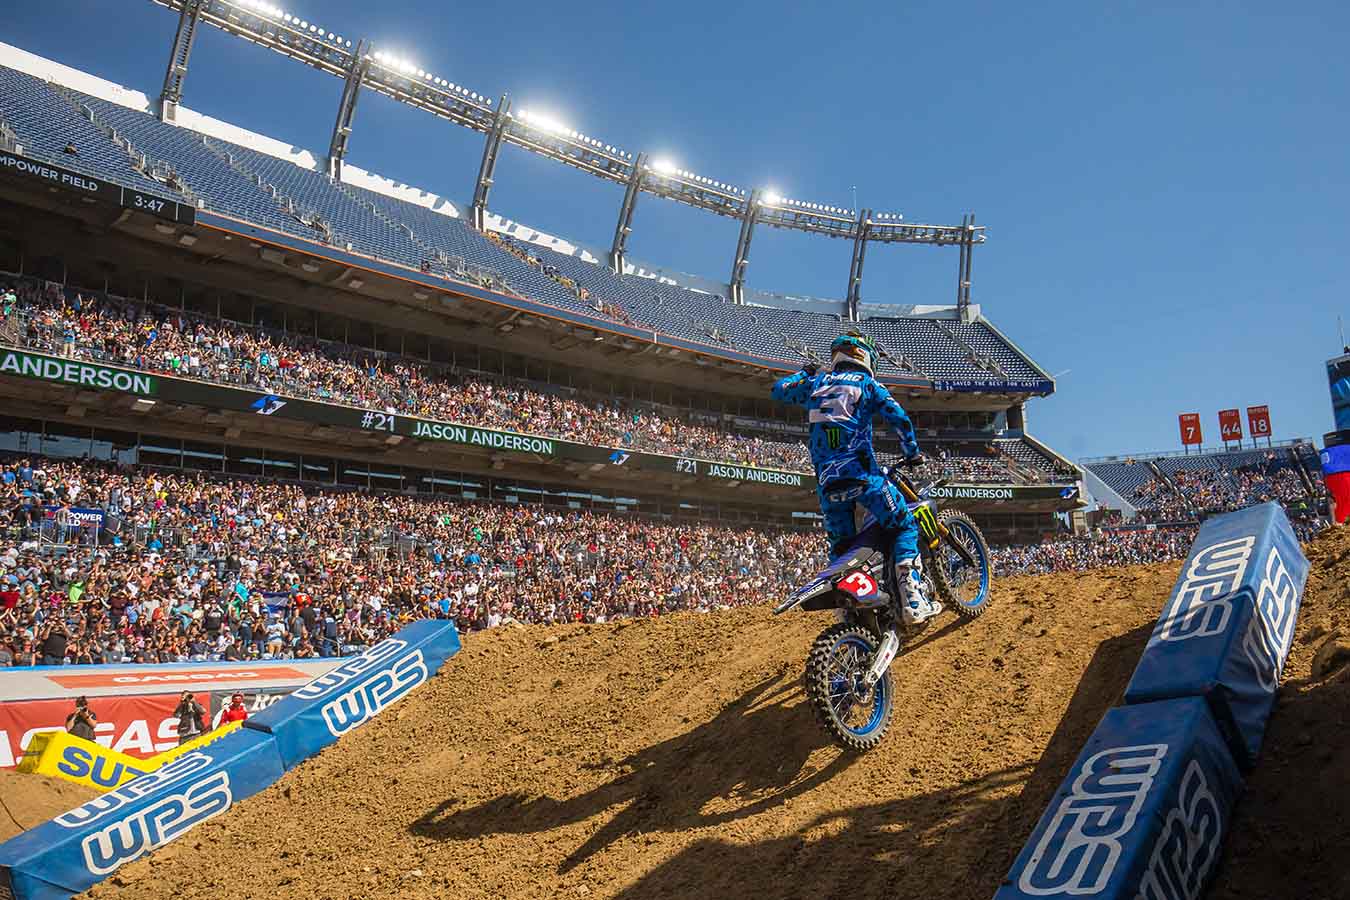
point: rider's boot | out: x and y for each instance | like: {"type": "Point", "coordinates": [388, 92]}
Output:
{"type": "Point", "coordinates": [915, 607]}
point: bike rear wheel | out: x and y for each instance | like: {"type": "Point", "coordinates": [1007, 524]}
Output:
{"type": "Point", "coordinates": [854, 715]}
{"type": "Point", "coordinates": [963, 586]}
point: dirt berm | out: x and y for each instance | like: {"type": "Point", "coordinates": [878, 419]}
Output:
{"type": "Point", "coordinates": [677, 758]}
{"type": "Point", "coordinates": [28, 800]}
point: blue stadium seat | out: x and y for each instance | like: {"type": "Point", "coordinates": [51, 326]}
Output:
{"type": "Point", "coordinates": [46, 118]}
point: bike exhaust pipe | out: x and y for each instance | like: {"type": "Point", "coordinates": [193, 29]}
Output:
{"type": "Point", "coordinates": [890, 645]}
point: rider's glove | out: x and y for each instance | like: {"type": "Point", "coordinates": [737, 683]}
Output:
{"type": "Point", "coordinates": [913, 462]}
{"type": "Point", "coordinates": [810, 369]}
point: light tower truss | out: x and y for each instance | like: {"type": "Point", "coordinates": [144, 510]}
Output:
{"type": "Point", "coordinates": [362, 66]}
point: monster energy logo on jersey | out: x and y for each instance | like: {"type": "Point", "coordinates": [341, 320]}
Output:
{"type": "Point", "coordinates": [834, 436]}
{"type": "Point", "coordinates": [29, 365]}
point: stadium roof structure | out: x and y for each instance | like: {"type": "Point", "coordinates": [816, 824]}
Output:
{"type": "Point", "coordinates": [215, 183]}
{"type": "Point", "coordinates": [363, 66]}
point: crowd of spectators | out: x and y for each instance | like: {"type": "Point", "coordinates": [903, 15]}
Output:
{"type": "Point", "coordinates": [203, 568]}
{"type": "Point", "coordinates": [131, 333]}
{"type": "Point", "coordinates": [1107, 548]}
{"type": "Point", "coordinates": [189, 567]}
{"type": "Point", "coordinates": [1115, 546]}
{"type": "Point", "coordinates": [1195, 492]}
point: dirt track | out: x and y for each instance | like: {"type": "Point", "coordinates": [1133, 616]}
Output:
{"type": "Point", "coordinates": [28, 800]}
{"type": "Point", "coordinates": [1293, 825]}
{"type": "Point", "coordinates": [677, 759]}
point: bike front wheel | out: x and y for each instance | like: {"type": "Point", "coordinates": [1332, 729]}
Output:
{"type": "Point", "coordinates": [965, 587]}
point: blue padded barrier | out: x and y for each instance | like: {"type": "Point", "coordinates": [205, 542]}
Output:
{"type": "Point", "coordinates": [1142, 814]}
{"type": "Point", "coordinates": [77, 849]}
{"type": "Point", "coordinates": [316, 715]}
{"type": "Point", "coordinates": [1225, 632]}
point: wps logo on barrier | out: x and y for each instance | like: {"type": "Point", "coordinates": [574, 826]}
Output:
{"type": "Point", "coordinates": [1202, 605]}
{"type": "Point", "coordinates": [367, 700]}
{"type": "Point", "coordinates": [129, 838]}
{"type": "Point", "coordinates": [1271, 630]}
{"type": "Point", "coordinates": [1079, 850]}
{"type": "Point", "coordinates": [101, 807]}
{"type": "Point", "coordinates": [351, 670]}
{"type": "Point", "coordinates": [1188, 845]}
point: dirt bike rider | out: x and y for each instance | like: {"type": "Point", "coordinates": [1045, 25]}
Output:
{"type": "Point", "coordinates": [840, 405]}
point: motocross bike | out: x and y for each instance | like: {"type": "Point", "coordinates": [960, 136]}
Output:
{"type": "Point", "coordinates": [848, 677]}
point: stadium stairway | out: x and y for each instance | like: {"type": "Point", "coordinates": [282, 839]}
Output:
{"type": "Point", "coordinates": [1171, 485]}
{"type": "Point", "coordinates": [434, 257]}
{"type": "Point", "coordinates": [46, 119]}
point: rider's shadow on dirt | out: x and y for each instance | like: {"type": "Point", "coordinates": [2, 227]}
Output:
{"type": "Point", "coordinates": [931, 634]}
{"type": "Point", "coordinates": [754, 755]}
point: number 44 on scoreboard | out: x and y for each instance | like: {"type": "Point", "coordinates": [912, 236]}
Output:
{"type": "Point", "coordinates": [1230, 425]}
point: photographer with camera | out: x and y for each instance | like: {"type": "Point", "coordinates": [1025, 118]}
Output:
{"type": "Point", "coordinates": [191, 718]}
{"type": "Point", "coordinates": [55, 642]}
{"type": "Point", "coordinates": [81, 722]}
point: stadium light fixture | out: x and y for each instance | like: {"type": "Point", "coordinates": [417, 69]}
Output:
{"type": "Point", "coordinates": [771, 198]}
{"type": "Point", "coordinates": [545, 123]}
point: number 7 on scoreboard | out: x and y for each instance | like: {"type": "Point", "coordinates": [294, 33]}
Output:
{"type": "Point", "coordinates": [1190, 429]}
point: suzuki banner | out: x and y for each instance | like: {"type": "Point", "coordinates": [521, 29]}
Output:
{"type": "Point", "coordinates": [137, 726]}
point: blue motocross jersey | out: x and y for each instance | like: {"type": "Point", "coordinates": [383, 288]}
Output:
{"type": "Point", "coordinates": [840, 407]}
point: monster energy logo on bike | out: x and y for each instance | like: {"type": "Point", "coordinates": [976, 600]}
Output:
{"type": "Point", "coordinates": [927, 522]}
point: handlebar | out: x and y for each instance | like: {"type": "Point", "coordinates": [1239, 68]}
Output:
{"type": "Point", "coordinates": [900, 480]}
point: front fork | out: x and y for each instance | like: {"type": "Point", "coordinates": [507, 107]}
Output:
{"type": "Point", "coordinates": [890, 645]}
{"type": "Point", "coordinates": [885, 627]}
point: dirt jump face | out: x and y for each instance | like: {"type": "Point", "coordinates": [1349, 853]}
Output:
{"type": "Point", "coordinates": [678, 758]}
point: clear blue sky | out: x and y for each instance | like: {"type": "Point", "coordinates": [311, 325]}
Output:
{"type": "Point", "coordinates": [1165, 189]}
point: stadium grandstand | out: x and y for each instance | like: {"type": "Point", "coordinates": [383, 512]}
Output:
{"type": "Point", "coordinates": [436, 342]}
{"type": "Point", "coordinates": [1179, 487]}
{"type": "Point", "coordinates": [286, 446]}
